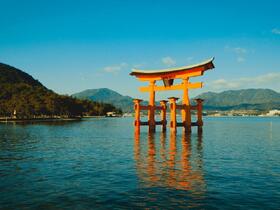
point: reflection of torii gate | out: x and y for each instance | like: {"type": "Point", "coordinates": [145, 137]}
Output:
{"type": "Point", "coordinates": [168, 76]}
{"type": "Point", "coordinates": [178, 166]}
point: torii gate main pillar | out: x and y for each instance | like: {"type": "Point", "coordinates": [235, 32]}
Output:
{"type": "Point", "coordinates": [186, 111]}
{"type": "Point", "coordinates": [151, 110]}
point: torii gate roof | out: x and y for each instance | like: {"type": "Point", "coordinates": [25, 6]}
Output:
{"type": "Point", "coordinates": [203, 66]}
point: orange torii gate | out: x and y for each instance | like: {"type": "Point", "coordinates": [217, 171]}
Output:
{"type": "Point", "coordinates": [168, 76]}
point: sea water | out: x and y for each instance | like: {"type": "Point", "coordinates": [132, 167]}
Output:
{"type": "Point", "coordinates": [100, 163]}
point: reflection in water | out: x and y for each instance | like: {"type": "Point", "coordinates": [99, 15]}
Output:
{"type": "Point", "coordinates": [170, 164]}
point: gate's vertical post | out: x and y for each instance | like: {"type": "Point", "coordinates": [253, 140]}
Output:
{"type": "Point", "coordinates": [163, 114]}
{"type": "Point", "coordinates": [151, 110]}
{"type": "Point", "coordinates": [137, 121]}
{"type": "Point", "coordinates": [186, 111]}
{"type": "Point", "coordinates": [173, 122]}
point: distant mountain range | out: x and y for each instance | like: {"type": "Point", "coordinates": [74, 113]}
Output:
{"type": "Point", "coordinates": [246, 99]}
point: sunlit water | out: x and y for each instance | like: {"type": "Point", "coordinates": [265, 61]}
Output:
{"type": "Point", "coordinates": [100, 163]}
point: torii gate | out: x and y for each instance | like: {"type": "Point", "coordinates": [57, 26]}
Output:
{"type": "Point", "coordinates": [168, 76]}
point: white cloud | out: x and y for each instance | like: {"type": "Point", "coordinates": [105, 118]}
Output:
{"type": "Point", "coordinates": [264, 79]}
{"type": "Point", "coordinates": [168, 61]}
{"type": "Point", "coordinates": [115, 68]}
{"type": "Point", "coordinates": [276, 31]}
{"type": "Point", "coordinates": [269, 80]}
{"type": "Point", "coordinates": [240, 53]}
{"type": "Point", "coordinates": [223, 84]}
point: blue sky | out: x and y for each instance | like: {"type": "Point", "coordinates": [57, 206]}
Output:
{"type": "Point", "coordinates": [75, 45]}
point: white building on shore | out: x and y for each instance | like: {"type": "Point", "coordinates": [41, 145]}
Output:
{"type": "Point", "coordinates": [273, 112]}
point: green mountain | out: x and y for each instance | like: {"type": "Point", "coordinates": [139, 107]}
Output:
{"type": "Point", "coordinates": [20, 92]}
{"type": "Point", "coordinates": [106, 95]}
{"type": "Point", "coordinates": [248, 99]}
{"type": "Point", "coordinates": [253, 99]}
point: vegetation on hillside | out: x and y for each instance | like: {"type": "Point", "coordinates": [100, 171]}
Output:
{"type": "Point", "coordinates": [29, 98]}
{"type": "Point", "coordinates": [246, 99]}
{"type": "Point", "coordinates": [105, 95]}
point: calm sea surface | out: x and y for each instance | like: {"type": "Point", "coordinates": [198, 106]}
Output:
{"type": "Point", "coordinates": [101, 164]}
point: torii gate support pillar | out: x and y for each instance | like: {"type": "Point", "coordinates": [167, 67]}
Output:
{"type": "Point", "coordinates": [151, 110]}
{"type": "Point", "coordinates": [173, 120]}
{"type": "Point", "coordinates": [186, 111]}
{"type": "Point", "coordinates": [163, 114]}
{"type": "Point", "coordinates": [137, 122]}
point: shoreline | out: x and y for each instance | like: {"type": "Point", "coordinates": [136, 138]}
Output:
{"type": "Point", "coordinates": [51, 119]}
{"type": "Point", "coordinates": [56, 119]}
{"type": "Point", "coordinates": [47, 119]}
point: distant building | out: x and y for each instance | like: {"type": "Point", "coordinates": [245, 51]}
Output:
{"type": "Point", "coordinates": [14, 114]}
{"type": "Point", "coordinates": [112, 114]}
{"type": "Point", "coordinates": [273, 112]}
{"type": "Point", "coordinates": [127, 115]}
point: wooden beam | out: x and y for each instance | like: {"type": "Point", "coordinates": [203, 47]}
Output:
{"type": "Point", "coordinates": [194, 107]}
{"type": "Point", "coordinates": [144, 123]}
{"type": "Point", "coordinates": [161, 88]}
{"type": "Point", "coordinates": [180, 124]}
{"type": "Point", "coordinates": [148, 107]}
{"type": "Point", "coordinates": [180, 107]}
{"type": "Point", "coordinates": [158, 108]}
{"type": "Point", "coordinates": [194, 124]}
{"type": "Point", "coordinates": [173, 87]}
{"type": "Point", "coordinates": [173, 75]}
{"type": "Point", "coordinates": [144, 107]}
{"type": "Point", "coordinates": [195, 85]}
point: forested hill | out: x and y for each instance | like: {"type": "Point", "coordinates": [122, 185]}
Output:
{"type": "Point", "coordinates": [106, 95]}
{"type": "Point", "coordinates": [21, 92]}
{"type": "Point", "coordinates": [253, 99]}
{"type": "Point", "coordinates": [11, 75]}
